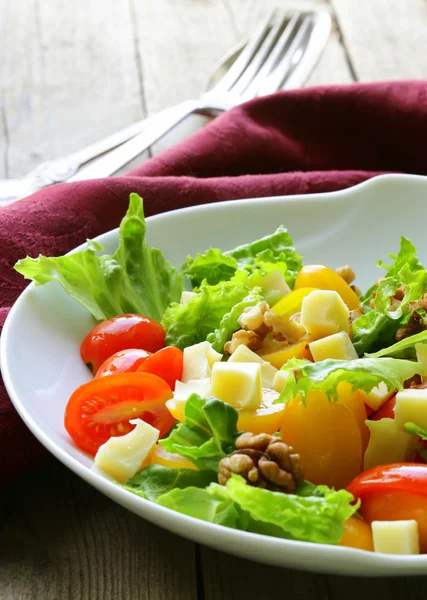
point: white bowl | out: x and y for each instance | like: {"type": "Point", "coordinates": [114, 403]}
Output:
{"type": "Point", "coordinates": [45, 327]}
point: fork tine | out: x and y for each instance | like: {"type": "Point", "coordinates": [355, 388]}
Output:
{"type": "Point", "coordinates": [260, 56]}
{"type": "Point", "coordinates": [271, 62]}
{"type": "Point", "coordinates": [292, 57]}
{"type": "Point", "coordinates": [245, 56]}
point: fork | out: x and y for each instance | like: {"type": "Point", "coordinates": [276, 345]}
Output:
{"type": "Point", "coordinates": [280, 55]}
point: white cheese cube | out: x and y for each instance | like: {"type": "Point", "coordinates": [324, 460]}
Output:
{"type": "Point", "coordinates": [411, 406]}
{"type": "Point", "coordinates": [202, 387]}
{"type": "Point", "coordinates": [238, 384]}
{"type": "Point", "coordinates": [421, 350]}
{"type": "Point", "coordinates": [213, 356]}
{"type": "Point", "coordinates": [388, 444]}
{"type": "Point", "coordinates": [324, 313]}
{"type": "Point", "coordinates": [243, 354]}
{"type": "Point", "coordinates": [275, 281]}
{"type": "Point", "coordinates": [279, 380]}
{"type": "Point", "coordinates": [198, 361]}
{"type": "Point", "coordinates": [396, 537]}
{"type": "Point", "coordinates": [187, 296]}
{"type": "Point", "coordinates": [377, 396]}
{"type": "Point", "coordinates": [337, 346]}
{"type": "Point", "coordinates": [121, 457]}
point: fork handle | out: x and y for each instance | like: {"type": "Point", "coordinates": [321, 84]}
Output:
{"type": "Point", "coordinates": [156, 127]}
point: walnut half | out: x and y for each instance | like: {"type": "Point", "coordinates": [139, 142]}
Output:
{"type": "Point", "coordinates": [247, 338]}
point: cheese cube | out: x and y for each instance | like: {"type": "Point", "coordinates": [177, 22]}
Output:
{"type": "Point", "coordinates": [411, 406]}
{"type": "Point", "coordinates": [187, 296]}
{"type": "Point", "coordinates": [275, 282]}
{"type": "Point", "coordinates": [279, 380]}
{"type": "Point", "coordinates": [337, 346]}
{"type": "Point", "coordinates": [396, 537]}
{"type": "Point", "coordinates": [388, 444]}
{"type": "Point", "coordinates": [323, 313]}
{"type": "Point", "coordinates": [421, 350]}
{"type": "Point", "coordinates": [377, 396]}
{"type": "Point", "coordinates": [202, 387]}
{"type": "Point", "coordinates": [198, 361]}
{"type": "Point", "coordinates": [121, 457]}
{"type": "Point", "coordinates": [243, 354]}
{"type": "Point", "coordinates": [238, 384]}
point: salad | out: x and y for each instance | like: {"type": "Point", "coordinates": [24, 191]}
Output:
{"type": "Point", "coordinates": [252, 391]}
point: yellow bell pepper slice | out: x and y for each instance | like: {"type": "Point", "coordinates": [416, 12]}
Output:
{"type": "Point", "coordinates": [281, 356]}
{"type": "Point", "coordinates": [323, 278]}
{"type": "Point", "coordinates": [265, 419]}
{"type": "Point", "coordinates": [160, 456]}
{"type": "Point", "coordinates": [327, 436]}
{"type": "Point", "coordinates": [291, 304]}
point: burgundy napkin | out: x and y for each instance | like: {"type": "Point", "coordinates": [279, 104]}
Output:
{"type": "Point", "coordinates": [310, 140]}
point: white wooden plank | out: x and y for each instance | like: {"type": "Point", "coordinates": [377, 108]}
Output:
{"type": "Point", "coordinates": [385, 39]}
{"type": "Point", "coordinates": [69, 76]}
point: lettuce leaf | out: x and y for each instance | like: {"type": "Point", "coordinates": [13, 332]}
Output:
{"type": "Point", "coordinates": [318, 517]}
{"type": "Point", "coordinates": [215, 266]}
{"type": "Point", "coordinates": [155, 480]}
{"type": "Point", "coordinates": [415, 430]}
{"type": "Point", "coordinates": [207, 433]}
{"type": "Point", "coordinates": [191, 323]}
{"type": "Point", "coordinates": [135, 279]}
{"type": "Point", "coordinates": [377, 327]}
{"type": "Point", "coordinates": [228, 324]}
{"type": "Point", "coordinates": [363, 374]}
{"type": "Point", "coordinates": [403, 349]}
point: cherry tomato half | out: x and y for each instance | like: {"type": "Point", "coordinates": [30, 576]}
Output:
{"type": "Point", "coordinates": [402, 477]}
{"type": "Point", "coordinates": [125, 361]}
{"type": "Point", "coordinates": [121, 333]}
{"type": "Point", "coordinates": [103, 408]}
{"type": "Point", "coordinates": [167, 363]}
{"type": "Point", "coordinates": [394, 493]}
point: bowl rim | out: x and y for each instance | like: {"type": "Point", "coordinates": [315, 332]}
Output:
{"type": "Point", "coordinates": [191, 527]}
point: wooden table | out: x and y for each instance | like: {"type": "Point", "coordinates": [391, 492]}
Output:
{"type": "Point", "coordinates": [72, 72]}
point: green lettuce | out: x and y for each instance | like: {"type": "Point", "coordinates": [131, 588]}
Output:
{"type": "Point", "coordinates": [377, 327]}
{"type": "Point", "coordinates": [363, 374]}
{"type": "Point", "coordinates": [415, 430]}
{"type": "Point", "coordinates": [318, 517]}
{"type": "Point", "coordinates": [191, 323]}
{"type": "Point", "coordinates": [135, 279]}
{"type": "Point", "coordinates": [215, 266]}
{"type": "Point", "coordinates": [207, 434]}
{"type": "Point", "coordinates": [211, 504]}
{"type": "Point", "coordinates": [403, 349]}
{"type": "Point", "coordinates": [155, 480]}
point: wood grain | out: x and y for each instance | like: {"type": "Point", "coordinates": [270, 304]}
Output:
{"type": "Point", "coordinates": [72, 72]}
{"type": "Point", "coordinates": [62, 539]}
{"type": "Point", "coordinates": [69, 76]}
{"type": "Point", "coordinates": [385, 39]}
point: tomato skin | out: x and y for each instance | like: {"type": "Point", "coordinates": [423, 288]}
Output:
{"type": "Point", "coordinates": [398, 477]}
{"type": "Point", "coordinates": [167, 363]}
{"type": "Point", "coordinates": [125, 361]}
{"type": "Point", "coordinates": [386, 411]}
{"type": "Point", "coordinates": [397, 506]}
{"type": "Point", "coordinates": [121, 333]}
{"type": "Point", "coordinates": [103, 407]}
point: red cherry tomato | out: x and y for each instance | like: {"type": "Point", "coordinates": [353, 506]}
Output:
{"type": "Point", "coordinates": [403, 477]}
{"type": "Point", "coordinates": [125, 361]}
{"type": "Point", "coordinates": [103, 408]}
{"type": "Point", "coordinates": [167, 363]}
{"type": "Point", "coordinates": [386, 411]}
{"type": "Point", "coordinates": [121, 333]}
{"type": "Point", "coordinates": [394, 493]}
